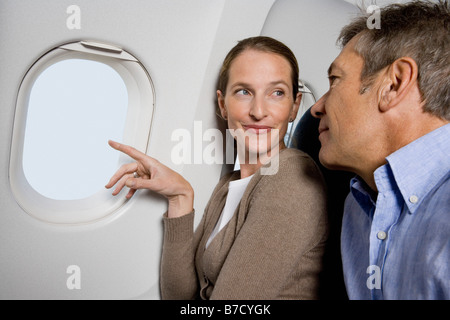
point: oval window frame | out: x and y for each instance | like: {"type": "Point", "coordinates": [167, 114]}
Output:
{"type": "Point", "coordinates": [138, 123]}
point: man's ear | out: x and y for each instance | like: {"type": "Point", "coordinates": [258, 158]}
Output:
{"type": "Point", "coordinates": [400, 78]}
{"type": "Point", "coordinates": [221, 103]}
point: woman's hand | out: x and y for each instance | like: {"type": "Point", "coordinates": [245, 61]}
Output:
{"type": "Point", "coordinates": [154, 176]}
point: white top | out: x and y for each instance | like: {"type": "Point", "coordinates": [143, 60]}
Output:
{"type": "Point", "coordinates": [236, 190]}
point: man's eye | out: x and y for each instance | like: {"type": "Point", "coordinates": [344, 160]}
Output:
{"type": "Point", "coordinates": [331, 79]}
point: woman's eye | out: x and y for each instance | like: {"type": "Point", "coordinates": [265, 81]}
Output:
{"type": "Point", "coordinates": [243, 92]}
{"type": "Point", "coordinates": [278, 93]}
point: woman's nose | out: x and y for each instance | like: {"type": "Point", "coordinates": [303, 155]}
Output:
{"type": "Point", "coordinates": [258, 108]}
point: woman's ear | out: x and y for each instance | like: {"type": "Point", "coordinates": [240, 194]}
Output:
{"type": "Point", "coordinates": [295, 107]}
{"type": "Point", "coordinates": [401, 77]}
{"type": "Point", "coordinates": [221, 103]}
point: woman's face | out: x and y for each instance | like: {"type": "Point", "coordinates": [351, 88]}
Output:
{"type": "Point", "coordinates": [258, 102]}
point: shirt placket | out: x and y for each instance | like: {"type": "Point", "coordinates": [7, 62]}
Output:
{"type": "Point", "coordinates": [385, 216]}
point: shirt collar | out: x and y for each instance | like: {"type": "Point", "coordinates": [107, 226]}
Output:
{"type": "Point", "coordinates": [419, 166]}
{"type": "Point", "coordinates": [414, 169]}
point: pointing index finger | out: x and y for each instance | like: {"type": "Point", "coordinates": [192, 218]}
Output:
{"type": "Point", "coordinates": [132, 152]}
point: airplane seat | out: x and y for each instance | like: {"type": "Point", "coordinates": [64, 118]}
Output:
{"type": "Point", "coordinates": [306, 138]}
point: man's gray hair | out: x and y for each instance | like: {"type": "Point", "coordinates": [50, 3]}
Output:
{"type": "Point", "coordinates": [419, 30]}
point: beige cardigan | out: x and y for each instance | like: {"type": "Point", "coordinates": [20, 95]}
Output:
{"type": "Point", "coordinates": [272, 248]}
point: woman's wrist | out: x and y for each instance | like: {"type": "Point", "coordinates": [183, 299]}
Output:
{"type": "Point", "coordinates": [181, 204]}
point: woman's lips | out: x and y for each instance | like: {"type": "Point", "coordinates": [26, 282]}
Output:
{"type": "Point", "coordinates": [257, 128]}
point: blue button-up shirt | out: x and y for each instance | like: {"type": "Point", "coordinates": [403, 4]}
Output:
{"type": "Point", "coordinates": [396, 244]}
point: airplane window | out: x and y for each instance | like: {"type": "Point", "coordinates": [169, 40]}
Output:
{"type": "Point", "coordinates": [75, 107]}
{"type": "Point", "coordinates": [70, 103]}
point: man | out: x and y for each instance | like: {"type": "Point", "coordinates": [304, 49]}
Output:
{"type": "Point", "coordinates": [386, 118]}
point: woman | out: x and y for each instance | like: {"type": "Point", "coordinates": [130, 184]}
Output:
{"type": "Point", "coordinates": [263, 232]}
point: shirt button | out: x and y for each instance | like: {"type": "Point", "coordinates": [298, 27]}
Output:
{"type": "Point", "coordinates": [381, 235]}
{"type": "Point", "coordinates": [413, 199]}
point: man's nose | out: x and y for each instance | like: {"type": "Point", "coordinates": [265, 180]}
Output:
{"type": "Point", "coordinates": [318, 109]}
